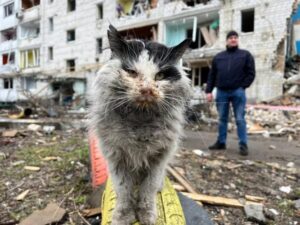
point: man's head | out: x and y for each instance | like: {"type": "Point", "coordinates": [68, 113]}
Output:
{"type": "Point", "coordinates": [232, 39]}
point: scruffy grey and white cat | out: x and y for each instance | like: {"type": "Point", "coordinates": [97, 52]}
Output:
{"type": "Point", "coordinates": [137, 111]}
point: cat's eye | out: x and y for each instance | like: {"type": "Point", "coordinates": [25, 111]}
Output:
{"type": "Point", "coordinates": [159, 76]}
{"type": "Point", "coordinates": [132, 73]}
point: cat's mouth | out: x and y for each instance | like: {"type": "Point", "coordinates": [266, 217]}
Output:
{"type": "Point", "coordinates": [145, 101]}
{"type": "Point", "coordinates": [147, 98]}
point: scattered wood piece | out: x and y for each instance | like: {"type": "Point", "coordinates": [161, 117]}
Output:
{"type": "Point", "coordinates": [51, 158]}
{"type": "Point", "coordinates": [22, 196]}
{"type": "Point", "coordinates": [232, 166]}
{"type": "Point", "coordinates": [254, 198]}
{"type": "Point", "coordinates": [214, 200]}
{"type": "Point", "coordinates": [291, 177]}
{"type": "Point", "coordinates": [51, 214]}
{"type": "Point", "coordinates": [18, 163]}
{"type": "Point", "coordinates": [256, 129]}
{"type": "Point", "coordinates": [9, 133]}
{"type": "Point", "coordinates": [91, 212]}
{"type": "Point", "coordinates": [178, 187]}
{"type": "Point", "coordinates": [180, 170]}
{"type": "Point", "coordinates": [181, 180]}
{"type": "Point", "coordinates": [32, 168]}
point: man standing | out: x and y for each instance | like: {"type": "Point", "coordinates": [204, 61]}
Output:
{"type": "Point", "coordinates": [233, 70]}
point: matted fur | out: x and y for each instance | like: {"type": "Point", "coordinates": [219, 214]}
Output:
{"type": "Point", "coordinates": [138, 137]}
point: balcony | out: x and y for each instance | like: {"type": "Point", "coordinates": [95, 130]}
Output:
{"type": "Point", "coordinates": [30, 42]}
{"type": "Point", "coordinates": [7, 46]}
{"type": "Point", "coordinates": [30, 14]}
{"type": "Point", "coordinates": [8, 22]}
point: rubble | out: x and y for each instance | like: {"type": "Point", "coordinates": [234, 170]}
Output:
{"type": "Point", "coordinates": [254, 212]}
{"type": "Point", "coordinates": [21, 196]}
{"type": "Point", "coordinates": [9, 133]}
{"type": "Point", "coordinates": [297, 204]}
{"type": "Point", "coordinates": [34, 127]}
{"type": "Point", "coordinates": [51, 214]}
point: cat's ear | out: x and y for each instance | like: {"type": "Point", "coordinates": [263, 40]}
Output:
{"type": "Point", "coordinates": [116, 42]}
{"type": "Point", "coordinates": [178, 51]}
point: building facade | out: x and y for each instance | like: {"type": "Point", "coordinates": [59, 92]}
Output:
{"type": "Point", "coordinates": [52, 49]}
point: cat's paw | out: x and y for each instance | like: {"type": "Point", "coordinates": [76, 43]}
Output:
{"type": "Point", "coordinates": [147, 215]}
{"type": "Point", "coordinates": [123, 216]}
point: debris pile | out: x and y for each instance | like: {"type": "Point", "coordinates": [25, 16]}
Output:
{"type": "Point", "coordinates": [273, 122]}
{"type": "Point", "coordinates": [266, 120]}
{"type": "Point", "coordinates": [270, 197]}
{"type": "Point", "coordinates": [292, 77]}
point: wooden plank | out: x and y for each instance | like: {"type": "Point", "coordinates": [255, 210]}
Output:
{"type": "Point", "coordinates": [206, 35]}
{"type": "Point", "coordinates": [254, 198]}
{"type": "Point", "coordinates": [32, 168]}
{"type": "Point", "coordinates": [178, 187]}
{"type": "Point", "coordinates": [9, 133]}
{"type": "Point", "coordinates": [214, 200]}
{"type": "Point", "coordinates": [181, 180]}
{"type": "Point", "coordinates": [21, 196]}
{"type": "Point", "coordinates": [91, 212]}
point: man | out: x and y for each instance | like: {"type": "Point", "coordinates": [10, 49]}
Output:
{"type": "Point", "coordinates": [233, 70]}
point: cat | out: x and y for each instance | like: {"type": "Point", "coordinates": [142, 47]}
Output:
{"type": "Point", "coordinates": [137, 105]}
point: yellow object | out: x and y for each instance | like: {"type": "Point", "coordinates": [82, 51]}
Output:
{"type": "Point", "coordinates": [168, 206]}
{"type": "Point", "coordinates": [127, 5]}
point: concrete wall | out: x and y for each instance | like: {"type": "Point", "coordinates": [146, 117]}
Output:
{"type": "Point", "coordinates": [269, 30]}
{"type": "Point", "coordinates": [83, 49]}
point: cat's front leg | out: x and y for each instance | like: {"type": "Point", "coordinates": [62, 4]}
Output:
{"type": "Point", "coordinates": [146, 211]}
{"type": "Point", "coordinates": [123, 213]}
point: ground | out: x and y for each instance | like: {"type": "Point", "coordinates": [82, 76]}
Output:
{"type": "Point", "coordinates": [64, 178]}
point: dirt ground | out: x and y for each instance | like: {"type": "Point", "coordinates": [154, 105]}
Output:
{"type": "Point", "coordinates": [63, 175]}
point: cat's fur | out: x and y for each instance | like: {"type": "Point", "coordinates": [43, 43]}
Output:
{"type": "Point", "coordinates": [138, 120]}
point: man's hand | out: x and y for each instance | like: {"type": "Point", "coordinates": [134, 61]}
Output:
{"type": "Point", "coordinates": [209, 97]}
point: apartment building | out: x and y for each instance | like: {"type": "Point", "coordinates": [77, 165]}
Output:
{"type": "Point", "coordinates": [53, 48]}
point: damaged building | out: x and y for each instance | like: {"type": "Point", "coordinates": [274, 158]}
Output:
{"type": "Point", "coordinates": [53, 49]}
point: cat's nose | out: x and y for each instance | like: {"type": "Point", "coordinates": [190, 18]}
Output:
{"type": "Point", "coordinates": [146, 91]}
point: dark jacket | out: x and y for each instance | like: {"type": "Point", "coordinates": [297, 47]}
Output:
{"type": "Point", "coordinates": [231, 69]}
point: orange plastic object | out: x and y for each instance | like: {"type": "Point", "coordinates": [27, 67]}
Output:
{"type": "Point", "coordinates": [99, 171]}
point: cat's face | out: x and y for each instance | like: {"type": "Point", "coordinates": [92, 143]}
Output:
{"type": "Point", "coordinates": [149, 74]}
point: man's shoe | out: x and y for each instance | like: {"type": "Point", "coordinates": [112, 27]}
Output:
{"type": "Point", "coordinates": [217, 146]}
{"type": "Point", "coordinates": [244, 150]}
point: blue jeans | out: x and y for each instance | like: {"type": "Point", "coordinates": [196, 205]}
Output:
{"type": "Point", "coordinates": [237, 98]}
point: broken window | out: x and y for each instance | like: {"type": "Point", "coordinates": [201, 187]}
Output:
{"type": "Point", "coordinates": [29, 58]}
{"type": "Point", "coordinates": [248, 18]}
{"type": "Point", "coordinates": [71, 35]}
{"type": "Point", "coordinates": [26, 4]}
{"type": "Point", "coordinates": [197, 43]}
{"type": "Point", "coordinates": [71, 65]}
{"type": "Point", "coordinates": [8, 83]}
{"type": "Point", "coordinates": [8, 9]}
{"type": "Point", "coordinates": [135, 8]}
{"type": "Point", "coordinates": [71, 5]}
{"type": "Point", "coordinates": [30, 30]}
{"type": "Point", "coordinates": [51, 25]}
{"type": "Point", "coordinates": [147, 33]}
{"type": "Point", "coordinates": [200, 76]}
{"type": "Point", "coordinates": [99, 45]}
{"type": "Point", "coordinates": [50, 53]}
{"type": "Point", "coordinates": [195, 2]}
{"type": "Point", "coordinates": [100, 11]}
{"type": "Point", "coordinates": [9, 34]}
{"type": "Point", "coordinates": [28, 83]}
{"type": "Point", "coordinates": [8, 58]}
